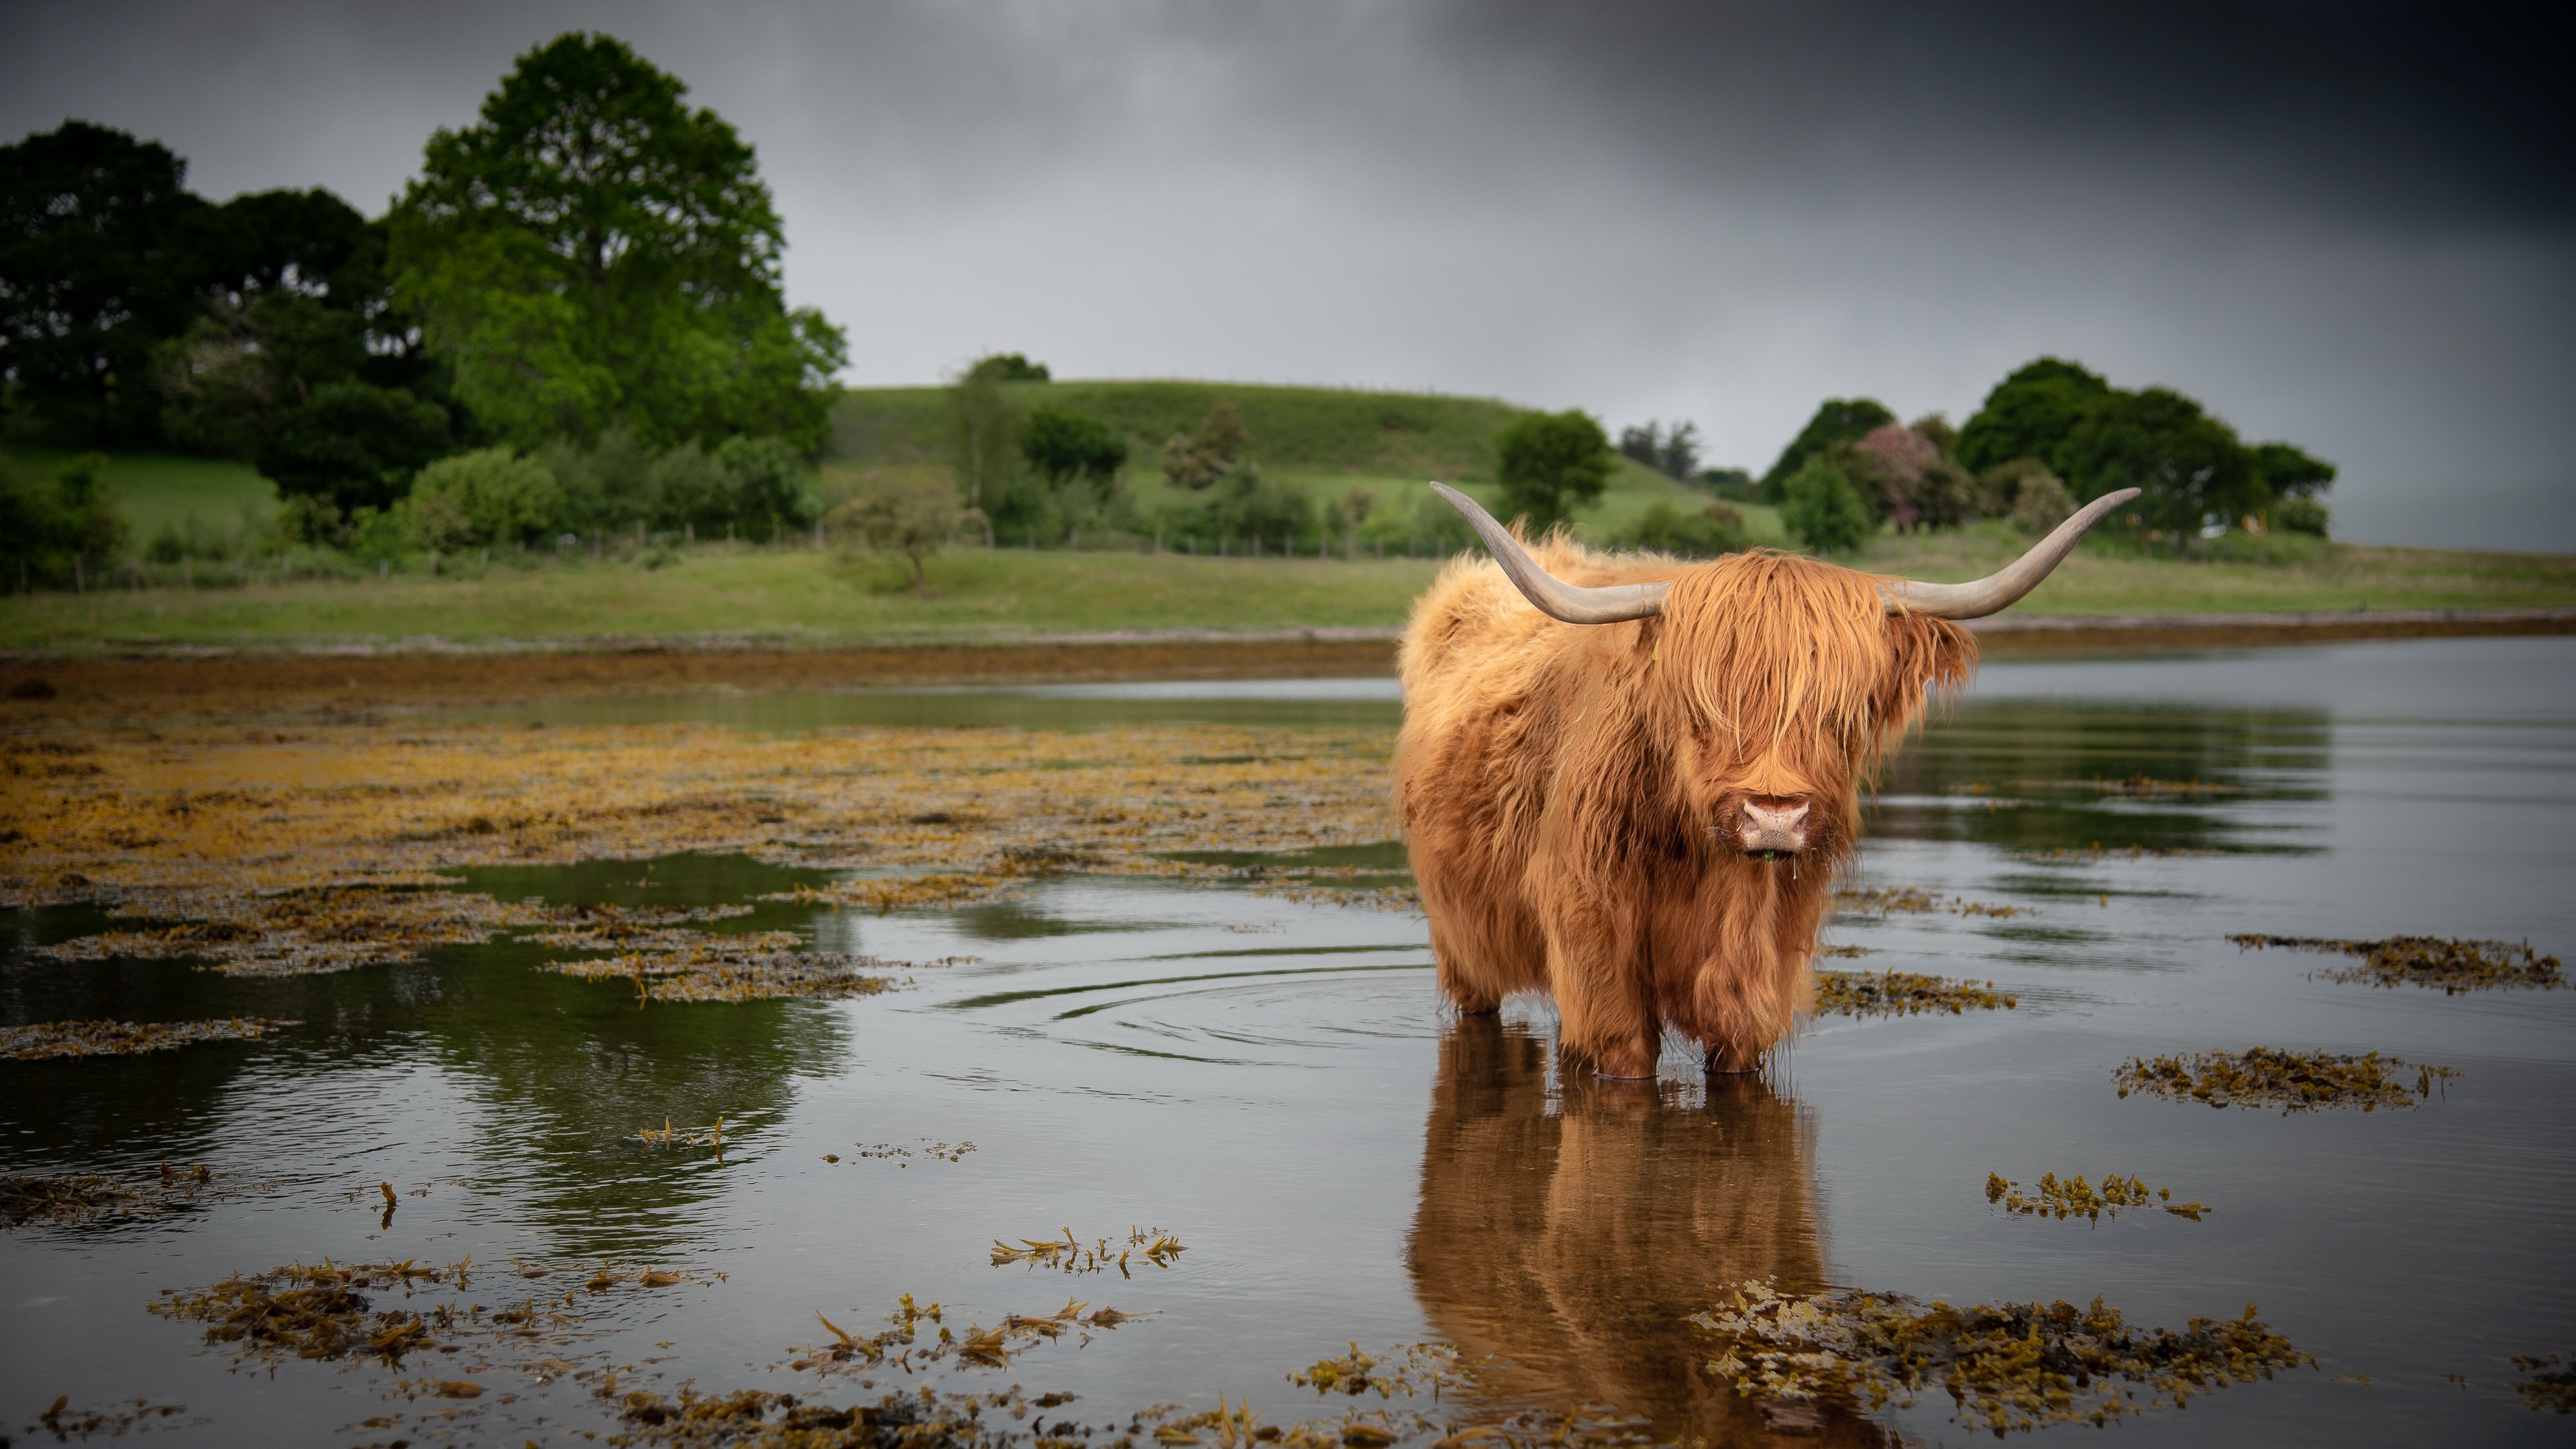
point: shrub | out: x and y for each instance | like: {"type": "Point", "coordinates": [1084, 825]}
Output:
{"type": "Point", "coordinates": [1551, 464]}
{"type": "Point", "coordinates": [352, 444]}
{"type": "Point", "coordinates": [908, 513]}
{"type": "Point", "coordinates": [1664, 528]}
{"type": "Point", "coordinates": [1998, 488]}
{"type": "Point", "coordinates": [2040, 502]}
{"type": "Point", "coordinates": [53, 535]}
{"type": "Point", "coordinates": [1822, 508]}
{"type": "Point", "coordinates": [2300, 513]}
{"type": "Point", "coordinates": [492, 495]}
{"type": "Point", "coordinates": [689, 490]}
{"type": "Point", "coordinates": [1429, 522]}
{"type": "Point", "coordinates": [1244, 506]}
{"type": "Point", "coordinates": [766, 477]}
{"type": "Point", "coordinates": [1195, 461]}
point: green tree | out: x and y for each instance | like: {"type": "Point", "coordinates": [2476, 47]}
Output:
{"type": "Point", "coordinates": [1016, 367]}
{"type": "Point", "coordinates": [1837, 420]}
{"type": "Point", "coordinates": [1551, 464]}
{"type": "Point", "coordinates": [983, 432]}
{"type": "Point", "coordinates": [2289, 472]}
{"type": "Point", "coordinates": [1067, 448]}
{"type": "Point", "coordinates": [2030, 414]}
{"type": "Point", "coordinates": [1823, 509]}
{"type": "Point", "coordinates": [594, 251]}
{"type": "Point", "coordinates": [97, 267]}
{"type": "Point", "coordinates": [2191, 466]}
{"type": "Point", "coordinates": [295, 298]}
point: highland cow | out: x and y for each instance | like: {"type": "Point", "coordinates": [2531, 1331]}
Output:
{"type": "Point", "coordinates": [1635, 795]}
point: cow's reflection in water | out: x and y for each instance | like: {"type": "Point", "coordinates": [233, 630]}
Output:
{"type": "Point", "coordinates": [1575, 1242]}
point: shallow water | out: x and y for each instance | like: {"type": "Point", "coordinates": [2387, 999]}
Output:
{"type": "Point", "coordinates": [1275, 1083]}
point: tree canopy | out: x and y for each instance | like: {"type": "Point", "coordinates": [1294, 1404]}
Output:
{"type": "Point", "coordinates": [1838, 420]}
{"type": "Point", "coordinates": [2029, 413]}
{"type": "Point", "coordinates": [594, 251]}
{"type": "Point", "coordinates": [97, 266]}
{"type": "Point", "coordinates": [2192, 467]}
{"type": "Point", "coordinates": [1551, 464]}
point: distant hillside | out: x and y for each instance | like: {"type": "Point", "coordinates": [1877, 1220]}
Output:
{"type": "Point", "coordinates": [1294, 429]}
{"type": "Point", "coordinates": [1320, 439]}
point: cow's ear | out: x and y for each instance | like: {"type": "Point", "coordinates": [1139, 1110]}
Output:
{"type": "Point", "coordinates": [1923, 654]}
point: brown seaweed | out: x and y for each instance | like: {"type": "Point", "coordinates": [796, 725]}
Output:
{"type": "Point", "coordinates": [1904, 993]}
{"type": "Point", "coordinates": [50, 1040]}
{"type": "Point", "coordinates": [1068, 1254]}
{"type": "Point", "coordinates": [2005, 1367]}
{"type": "Point", "coordinates": [1885, 901]}
{"type": "Point", "coordinates": [2428, 961]}
{"type": "Point", "coordinates": [2291, 1081]}
{"type": "Point", "coordinates": [2075, 1198]}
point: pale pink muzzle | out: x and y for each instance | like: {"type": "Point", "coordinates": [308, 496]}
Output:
{"type": "Point", "coordinates": [1778, 826]}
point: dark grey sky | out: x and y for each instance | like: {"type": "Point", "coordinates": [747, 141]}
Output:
{"type": "Point", "coordinates": [2353, 227]}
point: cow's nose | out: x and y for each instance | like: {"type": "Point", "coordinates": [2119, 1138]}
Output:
{"type": "Point", "coordinates": [1773, 825]}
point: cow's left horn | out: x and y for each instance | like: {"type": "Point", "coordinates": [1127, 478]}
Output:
{"type": "Point", "coordinates": [1608, 604]}
{"type": "Point", "coordinates": [1997, 592]}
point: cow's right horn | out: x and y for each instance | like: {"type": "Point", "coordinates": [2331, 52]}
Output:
{"type": "Point", "coordinates": [2002, 589]}
{"type": "Point", "coordinates": [1608, 604]}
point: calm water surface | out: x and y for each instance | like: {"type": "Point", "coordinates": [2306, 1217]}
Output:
{"type": "Point", "coordinates": [1275, 1083]}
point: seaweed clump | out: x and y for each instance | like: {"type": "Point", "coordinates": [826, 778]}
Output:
{"type": "Point", "coordinates": [1404, 1369]}
{"type": "Point", "coordinates": [2011, 1366]}
{"type": "Point", "coordinates": [317, 1312]}
{"type": "Point", "coordinates": [719, 972]}
{"type": "Point", "coordinates": [1904, 993]}
{"type": "Point", "coordinates": [2427, 961]}
{"type": "Point", "coordinates": [2076, 1198]}
{"type": "Point", "coordinates": [1153, 1245]}
{"type": "Point", "coordinates": [65, 1422]}
{"type": "Point", "coordinates": [49, 1040]}
{"type": "Point", "coordinates": [307, 933]}
{"type": "Point", "coordinates": [899, 1344]}
{"type": "Point", "coordinates": [2291, 1081]}
{"type": "Point", "coordinates": [77, 1197]}
{"type": "Point", "coordinates": [1916, 901]}
{"type": "Point", "coordinates": [2551, 1383]}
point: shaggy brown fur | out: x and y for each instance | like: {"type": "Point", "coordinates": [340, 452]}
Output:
{"type": "Point", "coordinates": [1568, 792]}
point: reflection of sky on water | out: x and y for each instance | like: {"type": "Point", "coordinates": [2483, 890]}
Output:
{"type": "Point", "coordinates": [1273, 1080]}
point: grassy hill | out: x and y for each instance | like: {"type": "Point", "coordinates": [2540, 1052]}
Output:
{"type": "Point", "coordinates": [158, 490]}
{"type": "Point", "coordinates": [1320, 439]}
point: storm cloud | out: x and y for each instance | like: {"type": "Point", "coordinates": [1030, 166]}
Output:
{"type": "Point", "coordinates": [2349, 227]}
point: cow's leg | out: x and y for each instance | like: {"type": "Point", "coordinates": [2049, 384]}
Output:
{"type": "Point", "coordinates": [1604, 1005]}
{"type": "Point", "coordinates": [1729, 1058]}
{"type": "Point", "coordinates": [1471, 991]}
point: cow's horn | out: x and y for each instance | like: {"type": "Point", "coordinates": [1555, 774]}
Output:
{"type": "Point", "coordinates": [1608, 604]}
{"type": "Point", "coordinates": [1997, 592]}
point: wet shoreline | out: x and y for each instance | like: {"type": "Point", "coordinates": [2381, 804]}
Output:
{"type": "Point", "coordinates": [399, 676]}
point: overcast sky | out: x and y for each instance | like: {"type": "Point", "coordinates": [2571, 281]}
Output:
{"type": "Point", "coordinates": [2353, 228]}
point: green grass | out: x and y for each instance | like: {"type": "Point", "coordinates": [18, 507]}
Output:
{"type": "Point", "coordinates": [1294, 429]}
{"type": "Point", "coordinates": [804, 597]}
{"type": "Point", "coordinates": [1323, 440]}
{"type": "Point", "coordinates": [1319, 439]}
{"type": "Point", "coordinates": [157, 490]}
